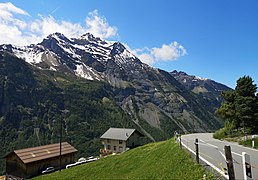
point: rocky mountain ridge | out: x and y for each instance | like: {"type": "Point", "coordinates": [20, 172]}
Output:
{"type": "Point", "coordinates": [144, 92]}
{"type": "Point", "coordinates": [206, 88]}
{"type": "Point", "coordinates": [87, 56]}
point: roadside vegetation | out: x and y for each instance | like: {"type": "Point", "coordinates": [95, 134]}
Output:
{"type": "Point", "coordinates": [248, 143]}
{"type": "Point", "coordinates": [160, 160]}
{"type": "Point", "coordinates": [239, 111]}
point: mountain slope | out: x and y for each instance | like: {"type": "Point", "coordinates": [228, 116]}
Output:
{"type": "Point", "coordinates": [99, 84]}
{"type": "Point", "coordinates": [207, 89]}
{"type": "Point", "coordinates": [162, 160]}
{"type": "Point", "coordinates": [151, 96]}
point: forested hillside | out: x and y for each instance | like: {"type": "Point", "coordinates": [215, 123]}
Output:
{"type": "Point", "coordinates": [33, 102]}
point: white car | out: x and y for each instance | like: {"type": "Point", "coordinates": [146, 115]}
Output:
{"type": "Point", "coordinates": [82, 159]}
{"type": "Point", "coordinates": [90, 159]}
{"type": "Point", "coordinates": [48, 170]}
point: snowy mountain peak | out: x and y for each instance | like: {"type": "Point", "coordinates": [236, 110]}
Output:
{"type": "Point", "coordinates": [118, 48]}
{"type": "Point", "coordinates": [88, 56]}
{"type": "Point", "coordinates": [175, 72]}
{"type": "Point", "coordinates": [92, 39]}
{"type": "Point", "coordinates": [88, 36]}
{"type": "Point", "coordinates": [58, 36]}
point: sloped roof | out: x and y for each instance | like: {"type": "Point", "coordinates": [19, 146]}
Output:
{"type": "Point", "coordinates": [118, 133]}
{"type": "Point", "coordinates": [29, 155]}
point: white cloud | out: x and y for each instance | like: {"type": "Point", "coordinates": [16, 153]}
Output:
{"type": "Point", "coordinates": [48, 25]}
{"type": "Point", "coordinates": [17, 28]}
{"type": "Point", "coordinates": [166, 52]}
{"type": "Point", "coordinates": [147, 58]}
{"type": "Point", "coordinates": [99, 26]}
{"type": "Point", "coordinates": [8, 9]}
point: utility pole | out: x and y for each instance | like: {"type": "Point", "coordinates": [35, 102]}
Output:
{"type": "Point", "coordinates": [229, 161]}
{"type": "Point", "coordinates": [65, 111]}
{"type": "Point", "coordinates": [60, 142]}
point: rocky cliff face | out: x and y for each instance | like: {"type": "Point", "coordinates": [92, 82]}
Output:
{"type": "Point", "coordinates": [206, 89]}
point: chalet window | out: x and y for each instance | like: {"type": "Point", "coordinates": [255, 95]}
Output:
{"type": "Point", "coordinates": [108, 147]}
{"type": "Point", "coordinates": [108, 141]}
{"type": "Point", "coordinates": [120, 142]}
{"type": "Point", "coordinates": [114, 148]}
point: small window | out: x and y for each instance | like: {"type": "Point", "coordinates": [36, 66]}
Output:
{"type": "Point", "coordinates": [114, 148]}
{"type": "Point", "coordinates": [108, 141]}
{"type": "Point", "coordinates": [108, 147]}
{"type": "Point", "coordinates": [120, 142]}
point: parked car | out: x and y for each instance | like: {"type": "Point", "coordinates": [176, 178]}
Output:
{"type": "Point", "coordinates": [90, 159]}
{"type": "Point", "coordinates": [82, 159]}
{"type": "Point", "coordinates": [48, 170]}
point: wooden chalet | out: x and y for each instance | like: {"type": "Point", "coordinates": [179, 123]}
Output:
{"type": "Point", "coordinates": [29, 162]}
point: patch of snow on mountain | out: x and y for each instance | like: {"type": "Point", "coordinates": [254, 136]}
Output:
{"type": "Point", "coordinates": [52, 68]}
{"type": "Point", "coordinates": [97, 52]}
{"type": "Point", "coordinates": [127, 54]}
{"type": "Point", "coordinates": [199, 78]}
{"type": "Point", "coordinates": [95, 40]}
{"type": "Point", "coordinates": [28, 55]}
{"type": "Point", "coordinates": [57, 37]}
{"type": "Point", "coordinates": [87, 72]}
{"type": "Point", "coordinates": [81, 47]}
{"type": "Point", "coordinates": [71, 52]}
{"type": "Point", "coordinates": [119, 60]}
{"type": "Point", "coordinates": [81, 72]}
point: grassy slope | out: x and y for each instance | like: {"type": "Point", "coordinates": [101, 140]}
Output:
{"type": "Point", "coordinates": [161, 160]}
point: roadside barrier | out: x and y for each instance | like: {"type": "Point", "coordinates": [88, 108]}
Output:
{"type": "Point", "coordinates": [220, 171]}
{"type": "Point", "coordinates": [228, 159]}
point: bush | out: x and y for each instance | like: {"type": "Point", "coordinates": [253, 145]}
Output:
{"type": "Point", "coordinates": [220, 134]}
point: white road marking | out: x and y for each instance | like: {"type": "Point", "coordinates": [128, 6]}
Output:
{"type": "Point", "coordinates": [202, 141]}
{"type": "Point", "coordinates": [236, 153]}
{"type": "Point", "coordinates": [216, 147]}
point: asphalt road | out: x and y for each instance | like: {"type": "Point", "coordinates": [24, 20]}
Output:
{"type": "Point", "coordinates": [212, 150]}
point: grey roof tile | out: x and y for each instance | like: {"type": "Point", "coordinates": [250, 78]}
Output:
{"type": "Point", "coordinates": [117, 133]}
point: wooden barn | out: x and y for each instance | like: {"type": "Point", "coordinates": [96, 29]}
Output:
{"type": "Point", "coordinates": [26, 163]}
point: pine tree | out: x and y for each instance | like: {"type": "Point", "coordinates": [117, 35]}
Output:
{"type": "Point", "coordinates": [246, 103]}
{"type": "Point", "coordinates": [240, 108]}
{"type": "Point", "coordinates": [227, 111]}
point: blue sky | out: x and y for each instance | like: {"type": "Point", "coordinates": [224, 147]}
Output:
{"type": "Point", "coordinates": [216, 39]}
